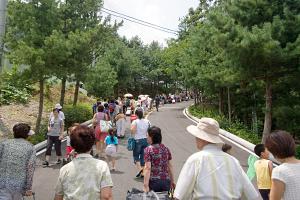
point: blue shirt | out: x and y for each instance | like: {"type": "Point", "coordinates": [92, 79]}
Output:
{"type": "Point", "coordinates": [108, 140]}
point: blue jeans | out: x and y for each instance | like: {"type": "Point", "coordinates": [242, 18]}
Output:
{"type": "Point", "coordinates": [138, 151]}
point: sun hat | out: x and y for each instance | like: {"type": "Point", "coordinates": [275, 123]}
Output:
{"type": "Point", "coordinates": [58, 106]}
{"type": "Point", "coordinates": [207, 129]}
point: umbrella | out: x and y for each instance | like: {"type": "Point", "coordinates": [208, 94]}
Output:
{"type": "Point", "coordinates": [128, 95]}
{"type": "Point", "coordinates": [143, 98]}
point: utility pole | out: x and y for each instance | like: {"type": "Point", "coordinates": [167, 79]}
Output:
{"type": "Point", "coordinates": [3, 6]}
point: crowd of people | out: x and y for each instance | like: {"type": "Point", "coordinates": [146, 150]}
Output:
{"type": "Point", "coordinates": [210, 173]}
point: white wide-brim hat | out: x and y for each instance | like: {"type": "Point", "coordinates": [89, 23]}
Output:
{"type": "Point", "coordinates": [58, 106]}
{"type": "Point", "coordinates": [207, 129]}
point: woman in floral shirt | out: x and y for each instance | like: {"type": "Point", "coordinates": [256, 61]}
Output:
{"type": "Point", "coordinates": [158, 172]}
{"type": "Point", "coordinates": [17, 164]}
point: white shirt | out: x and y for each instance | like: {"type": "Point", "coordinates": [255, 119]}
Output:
{"type": "Point", "coordinates": [142, 126]}
{"type": "Point", "coordinates": [289, 174]}
{"type": "Point", "coordinates": [213, 174]}
{"type": "Point", "coordinates": [61, 115]}
{"type": "Point", "coordinates": [83, 178]}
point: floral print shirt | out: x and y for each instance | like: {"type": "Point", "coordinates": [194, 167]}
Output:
{"type": "Point", "coordinates": [159, 156]}
{"type": "Point", "coordinates": [83, 178]}
{"type": "Point", "coordinates": [17, 164]}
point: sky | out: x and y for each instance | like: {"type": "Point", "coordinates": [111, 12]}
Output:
{"type": "Point", "coordinates": [165, 13]}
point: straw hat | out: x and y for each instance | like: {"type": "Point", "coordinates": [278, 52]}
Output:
{"type": "Point", "coordinates": [58, 106]}
{"type": "Point", "coordinates": [207, 129]}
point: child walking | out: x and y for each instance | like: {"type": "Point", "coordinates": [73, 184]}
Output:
{"type": "Point", "coordinates": [263, 168]}
{"type": "Point", "coordinates": [111, 149]}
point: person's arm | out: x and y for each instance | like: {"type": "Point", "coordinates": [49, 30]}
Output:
{"type": "Point", "coordinates": [277, 189]}
{"type": "Point", "coordinates": [270, 164]}
{"type": "Point", "coordinates": [106, 184]}
{"type": "Point", "coordinates": [106, 117]}
{"type": "Point", "coordinates": [62, 127]}
{"type": "Point", "coordinates": [133, 128]}
{"type": "Point", "coordinates": [147, 170]}
{"type": "Point", "coordinates": [59, 192]}
{"type": "Point", "coordinates": [170, 169]}
{"type": "Point", "coordinates": [29, 173]}
{"type": "Point", "coordinates": [106, 193]}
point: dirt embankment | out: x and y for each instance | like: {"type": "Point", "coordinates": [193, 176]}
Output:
{"type": "Point", "coordinates": [15, 113]}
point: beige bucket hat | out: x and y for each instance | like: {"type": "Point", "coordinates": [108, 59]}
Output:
{"type": "Point", "coordinates": [207, 129]}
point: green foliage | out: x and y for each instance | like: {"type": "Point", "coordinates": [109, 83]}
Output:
{"type": "Point", "coordinates": [41, 135]}
{"type": "Point", "coordinates": [298, 151]}
{"type": "Point", "coordinates": [13, 88]}
{"type": "Point", "coordinates": [236, 127]}
{"type": "Point", "coordinates": [77, 114]}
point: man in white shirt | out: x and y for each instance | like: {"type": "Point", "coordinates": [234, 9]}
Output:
{"type": "Point", "coordinates": [211, 173]}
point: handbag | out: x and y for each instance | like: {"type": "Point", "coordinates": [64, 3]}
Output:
{"type": "Point", "coordinates": [104, 125]}
{"type": "Point", "coordinates": [136, 194]}
{"type": "Point", "coordinates": [130, 144]}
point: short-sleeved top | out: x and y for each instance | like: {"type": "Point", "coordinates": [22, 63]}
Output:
{"type": "Point", "coordinates": [159, 156]}
{"type": "Point", "coordinates": [83, 178]}
{"type": "Point", "coordinates": [55, 125]}
{"type": "Point", "coordinates": [142, 126]}
{"type": "Point", "coordinates": [213, 174]}
{"type": "Point", "coordinates": [108, 140]}
{"type": "Point", "coordinates": [289, 174]}
{"type": "Point", "coordinates": [61, 115]}
{"type": "Point", "coordinates": [263, 174]}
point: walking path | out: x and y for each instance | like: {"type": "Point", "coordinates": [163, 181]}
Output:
{"type": "Point", "coordinates": [173, 123]}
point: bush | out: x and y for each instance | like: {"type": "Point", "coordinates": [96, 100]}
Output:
{"type": "Point", "coordinates": [298, 151]}
{"type": "Point", "coordinates": [41, 136]}
{"type": "Point", "coordinates": [14, 88]}
{"type": "Point", "coordinates": [77, 114]}
{"type": "Point", "coordinates": [235, 127]}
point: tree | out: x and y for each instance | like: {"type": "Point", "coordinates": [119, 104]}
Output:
{"type": "Point", "coordinates": [30, 25]}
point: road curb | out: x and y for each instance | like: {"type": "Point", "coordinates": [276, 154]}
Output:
{"type": "Point", "coordinates": [245, 145]}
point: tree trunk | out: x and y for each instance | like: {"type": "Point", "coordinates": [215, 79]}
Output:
{"type": "Point", "coordinates": [221, 101]}
{"type": "Point", "coordinates": [76, 93]}
{"type": "Point", "coordinates": [268, 111]}
{"type": "Point", "coordinates": [63, 91]}
{"type": "Point", "coordinates": [41, 105]}
{"type": "Point", "coordinates": [229, 105]}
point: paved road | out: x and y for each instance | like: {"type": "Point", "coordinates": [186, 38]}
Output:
{"type": "Point", "coordinates": [172, 121]}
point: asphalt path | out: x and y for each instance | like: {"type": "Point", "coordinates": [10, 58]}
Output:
{"type": "Point", "coordinates": [173, 123]}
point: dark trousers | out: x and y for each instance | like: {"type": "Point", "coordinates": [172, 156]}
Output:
{"type": "Point", "coordinates": [57, 144]}
{"type": "Point", "coordinates": [158, 185]}
{"type": "Point", "coordinates": [264, 193]}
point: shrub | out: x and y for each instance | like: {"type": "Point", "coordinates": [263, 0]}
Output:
{"type": "Point", "coordinates": [14, 88]}
{"type": "Point", "coordinates": [298, 151]}
{"type": "Point", "coordinates": [41, 136]}
{"type": "Point", "coordinates": [77, 114]}
{"type": "Point", "coordinates": [235, 127]}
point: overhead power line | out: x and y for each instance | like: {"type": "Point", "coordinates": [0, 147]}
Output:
{"type": "Point", "coordinates": [140, 22]}
{"type": "Point", "coordinates": [151, 24]}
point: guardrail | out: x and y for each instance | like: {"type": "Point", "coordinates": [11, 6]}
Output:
{"type": "Point", "coordinates": [42, 145]}
{"type": "Point", "coordinates": [243, 144]}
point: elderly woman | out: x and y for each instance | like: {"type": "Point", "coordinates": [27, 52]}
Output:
{"type": "Point", "coordinates": [85, 177]}
{"type": "Point", "coordinates": [158, 172]}
{"type": "Point", "coordinates": [17, 164]}
{"type": "Point", "coordinates": [285, 177]}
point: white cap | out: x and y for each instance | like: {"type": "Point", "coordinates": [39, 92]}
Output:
{"type": "Point", "coordinates": [58, 106]}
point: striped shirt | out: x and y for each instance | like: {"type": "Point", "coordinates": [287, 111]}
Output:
{"type": "Point", "coordinates": [213, 174]}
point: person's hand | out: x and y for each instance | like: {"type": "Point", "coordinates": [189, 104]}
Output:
{"type": "Point", "coordinates": [146, 188]}
{"type": "Point", "coordinates": [61, 137]}
{"type": "Point", "coordinates": [28, 193]}
{"type": "Point", "coordinates": [173, 185]}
